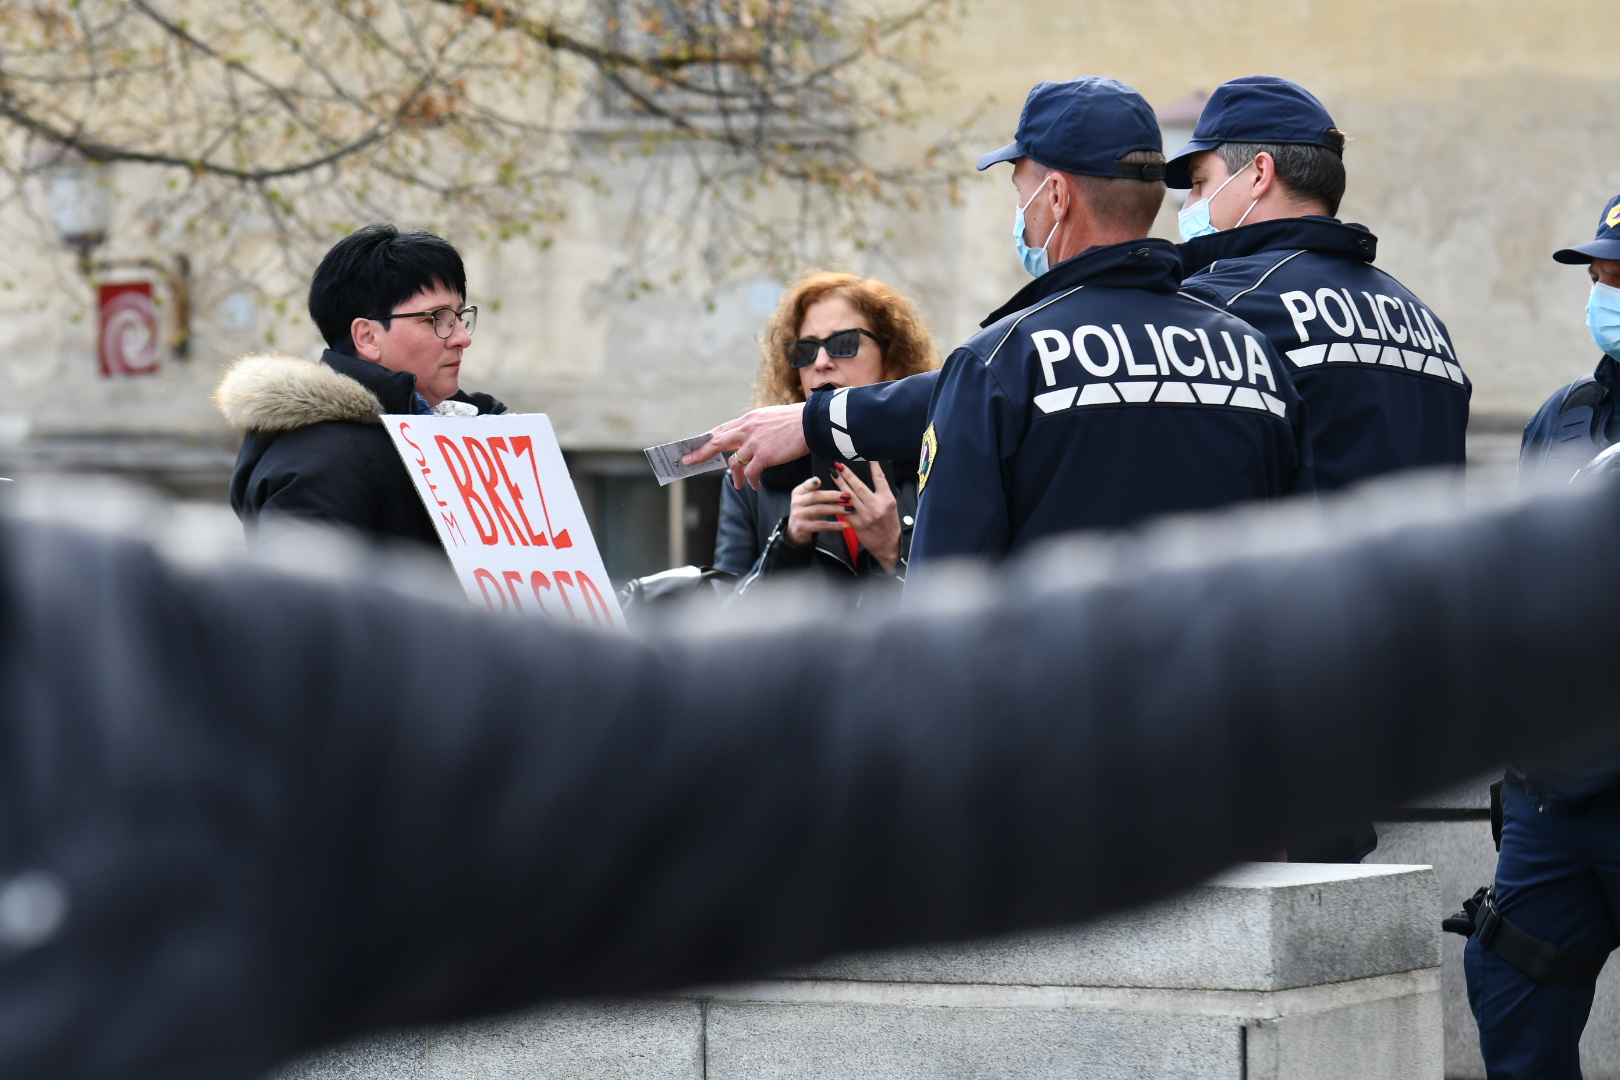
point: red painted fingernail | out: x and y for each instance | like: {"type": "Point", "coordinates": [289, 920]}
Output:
{"type": "Point", "coordinates": [841, 466]}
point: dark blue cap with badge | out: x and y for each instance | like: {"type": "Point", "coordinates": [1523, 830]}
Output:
{"type": "Point", "coordinates": [1606, 245]}
{"type": "Point", "coordinates": [1254, 109]}
{"type": "Point", "coordinates": [1085, 126]}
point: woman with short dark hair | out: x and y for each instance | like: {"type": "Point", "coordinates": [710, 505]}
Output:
{"type": "Point", "coordinates": [392, 305]}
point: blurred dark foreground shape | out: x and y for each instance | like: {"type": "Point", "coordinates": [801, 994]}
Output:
{"type": "Point", "coordinates": [244, 813]}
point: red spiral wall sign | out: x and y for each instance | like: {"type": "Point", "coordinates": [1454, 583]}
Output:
{"type": "Point", "coordinates": [131, 338]}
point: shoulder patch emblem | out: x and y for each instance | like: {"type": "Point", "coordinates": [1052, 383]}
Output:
{"type": "Point", "coordinates": [925, 463]}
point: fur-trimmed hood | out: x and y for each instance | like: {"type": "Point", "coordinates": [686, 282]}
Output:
{"type": "Point", "coordinates": [314, 444]}
{"type": "Point", "coordinates": [276, 392]}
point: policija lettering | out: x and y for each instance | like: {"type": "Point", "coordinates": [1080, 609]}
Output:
{"type": "Point", "coordinates": [1054, 346]}
{"type": "Point", "coordinates": [1391, 319]}
{"type": "Point", "coordinates": [488, 511]}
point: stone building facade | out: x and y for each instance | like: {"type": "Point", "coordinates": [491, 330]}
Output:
{"type": "Point", "coordinates": [1480, 140]}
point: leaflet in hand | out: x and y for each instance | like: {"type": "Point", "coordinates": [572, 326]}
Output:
{"type": "Point", "coordinates": [666, 460]}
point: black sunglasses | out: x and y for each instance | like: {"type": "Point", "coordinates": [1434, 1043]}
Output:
{"type": "Point", "coordinates": [840, 346]}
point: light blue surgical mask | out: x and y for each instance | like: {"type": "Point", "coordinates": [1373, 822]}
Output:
{"type": "Point", "coordinates": [1034, 259]}
{"type": "Point", "coordinates": [1193, 219]}
{"type": "Point", "coordinates": [1603, 317]}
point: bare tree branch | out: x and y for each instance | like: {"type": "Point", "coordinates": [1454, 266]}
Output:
{"type": "Point", "coordinates": [300, 118]}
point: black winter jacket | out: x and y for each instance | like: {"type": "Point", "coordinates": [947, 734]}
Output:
{"type": "Point", "coordinates": [752, 540]}
{"type": "Point", "coordinates": [274, 827]}
{"type": "Point", "coordinates": [313, 446]}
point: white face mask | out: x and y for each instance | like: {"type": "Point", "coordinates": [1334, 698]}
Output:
{"type": "Point", "coordinates": [1194, 220]}
{"type": "Point", "coordinates": [1034, 259]}
{"type": "Point", "coordinates": [1603, 317]}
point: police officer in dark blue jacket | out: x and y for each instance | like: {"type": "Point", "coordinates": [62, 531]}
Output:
{"type": "Point", "coordinates": [1557, 881]}
{"type": "Point", "coordinates": [1098, 395]}
{"type": "Point", "coordinates": [1378, 371]}
{"type": "Point", "coordinates": [1382, 386]}
{"type": "Point", "coordinates": [1580, 421]}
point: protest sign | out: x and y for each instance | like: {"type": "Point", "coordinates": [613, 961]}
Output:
{"type": "Point", "coordinates": [506, 511]}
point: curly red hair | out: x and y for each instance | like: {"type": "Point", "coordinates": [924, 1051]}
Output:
{"type": "Point", "coordinates": [893, 318]}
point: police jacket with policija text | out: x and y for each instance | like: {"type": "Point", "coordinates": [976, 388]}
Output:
{"type": "Point", "coordinates": [1381, 384]}
{"type": "Point", "coordinates": [1096, 397]}
{"type": "Point", "coordinates": [1382, 387]}
{"type": "Point", "coordinates": [267, 825]}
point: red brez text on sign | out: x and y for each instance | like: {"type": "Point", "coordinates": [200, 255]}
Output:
{"type": "Point", "coordinates": [507, 514]}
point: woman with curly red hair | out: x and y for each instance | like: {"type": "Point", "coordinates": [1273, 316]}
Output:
{"type": "Point", "coordinates": [834, 330]}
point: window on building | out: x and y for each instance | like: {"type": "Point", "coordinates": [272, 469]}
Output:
{"type": "Point", "coordinates": [639, 527]}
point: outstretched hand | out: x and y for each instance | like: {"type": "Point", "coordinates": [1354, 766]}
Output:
{"type": "Point", "coordinates": [756, 440]}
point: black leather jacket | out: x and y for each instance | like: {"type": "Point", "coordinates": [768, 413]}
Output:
{"type": "Point", "coordinates": [752, 541]}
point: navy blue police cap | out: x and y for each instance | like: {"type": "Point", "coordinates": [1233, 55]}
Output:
{"type": "Point", "coordinates": [1606, 245]}
{"type": "Point", "coordinates": [1085, 126]}
{"type": "Point", "coordinates": [1253, 109]}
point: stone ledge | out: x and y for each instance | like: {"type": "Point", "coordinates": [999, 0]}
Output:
{"type": "Point", "coordinates": [1264, 1004]}
{"type": "Point", "coordinates": [1258, 926]}
{"type": "Point", "coordinates": [1255, 981]}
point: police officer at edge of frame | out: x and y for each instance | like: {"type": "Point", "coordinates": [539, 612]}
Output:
{"type": "Point", "coordinates": [1557, 882]}
{"type": "Point", "coordinates": [1098, 395]}
{"type": "Point", "coordinates": [1381, 382]}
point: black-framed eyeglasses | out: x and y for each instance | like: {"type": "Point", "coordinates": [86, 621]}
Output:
{"type": "Point", "coordinates": [444, 318]}
{"type": "Point", "coordinates": [840, 345]}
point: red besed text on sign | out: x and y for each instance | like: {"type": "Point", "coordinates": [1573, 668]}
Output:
{"type": "Point", "coordinates": [564, 594]}
{"type": "Point", "coordinates": [506, 511]}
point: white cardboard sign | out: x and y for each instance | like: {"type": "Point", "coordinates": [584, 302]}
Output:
{"type": "Point", "coordinates": [506, 511]}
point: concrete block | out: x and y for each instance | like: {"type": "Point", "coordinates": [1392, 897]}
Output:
{"type": "Point", "coordinates": [856, 1041]}
{"type": "Point", "coordinates": [1386, 1027]}
{"type": "Point", "coordinates": [1272, 971]}
{"type": "Point", "coordinates": [624, 1040]}
{"type": "Point", "coordinates": [391, 1056]}
{"type": "Point", "coordinates": [1395, 1035]}
{"type": "Point", "coordinates": [660, 1039]}
{"type": "Point", "coordinates": [1260, 926]}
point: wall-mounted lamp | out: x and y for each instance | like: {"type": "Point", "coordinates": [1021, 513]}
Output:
{"type": "Point", "coordinates": [81, 201]}
{"type": "Point", "coordinates": [80, 195]}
